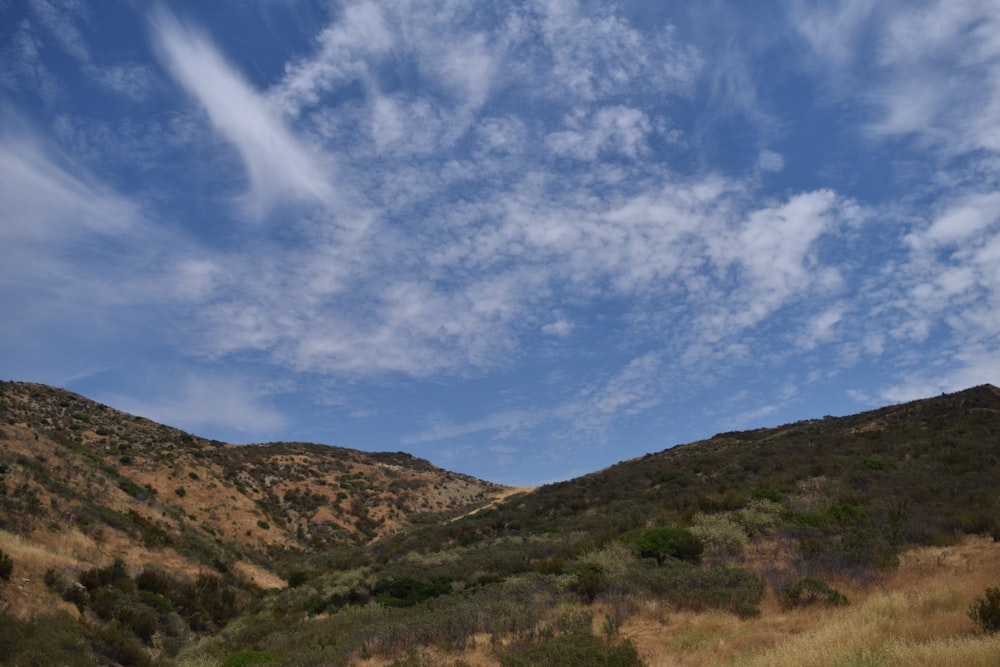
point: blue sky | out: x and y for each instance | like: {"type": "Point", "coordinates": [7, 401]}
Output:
{"type": "Point", "coordinates": [523, 240]}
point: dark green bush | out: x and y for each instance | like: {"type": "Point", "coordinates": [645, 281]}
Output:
{"type": "Point", "coordinates": [809, 591]}
{"type": "Point", "coordinates": [244, 658]}
{"type": "Point", "coordinates": [589, 582]}
{"type": "Point", "coordinates": [570, 642]}
{"type": "Point", "coordinates": [876, 463]}
{"type": "Point", "coordinates": [407, 591]}
{"type": "Point", "coordinates": [670, 542]}
{"type": "Point", "coordinates": [985, 611]}
{"type": "Point", "coordinates": [6, 565]}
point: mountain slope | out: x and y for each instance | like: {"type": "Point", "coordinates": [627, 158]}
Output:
{"type": "Point", "coordinates": [69, 465]}
{"type": "Point", "coordinates": [915, 473]}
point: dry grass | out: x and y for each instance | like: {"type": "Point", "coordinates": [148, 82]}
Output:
{"type": "Point", "coordinates": [916, 617]}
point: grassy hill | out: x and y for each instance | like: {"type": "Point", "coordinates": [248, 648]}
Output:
{"type": "Point", "coordinates": [134, 543]}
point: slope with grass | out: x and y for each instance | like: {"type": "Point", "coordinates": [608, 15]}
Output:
{"type": "Point", "coordinates": [854, 540]}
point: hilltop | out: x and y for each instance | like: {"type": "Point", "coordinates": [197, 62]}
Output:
{"type": "Point", "coordinates": [141, 544]}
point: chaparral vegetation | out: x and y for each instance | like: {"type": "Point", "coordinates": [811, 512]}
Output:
{"type": "Point", "coordinates": [867, 539]}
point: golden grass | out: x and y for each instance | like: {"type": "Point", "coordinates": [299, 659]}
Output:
{"type": "Point", "coordinates": [916, 617]}
{"type": "Point", "coordinates": [46, 549]}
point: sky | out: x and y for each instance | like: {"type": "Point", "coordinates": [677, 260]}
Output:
{"type": "Point", "coordinates": [523, 240]}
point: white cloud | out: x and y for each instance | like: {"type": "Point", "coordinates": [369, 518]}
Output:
{"type": "Point", "coordinates": [59, 21]}
{"type": "Point", "coordinates": [207, 402]}
{"type": "Point", "coordinates": [616, 130]}
{"type": "Point", "coordinates": [133, 81]}
{"type": "Point", "coordinates": [45, 202]}
{"type": "Point", "coordinates": [501, 424]}
{"type": "Point", "coordinates": [941, 68]}
{"type": "Point", "coordinates": [598, 56]}
{"type": "Point", "coordinates": [770, 161]}
{"type": "Point", "coordinates": [360, 34]}
{"type": "Point", "coordinates": [822, 327]}
{"type": "Point", "coordinates": [22, 66]}
{"type": "Point", "coordinates": [833, 30]}
{"type": "Point", "coordinates": [633, 389]}
{"type": "Point", "coordinates": [560, 328]}
{"type": "Point", "coordinates": [278, 164]}
{"type": "Point", "coordinates": [962, 220]}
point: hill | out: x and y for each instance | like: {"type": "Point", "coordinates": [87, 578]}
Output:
{"type": "Point", "coordinates": [113, 484]}
{"type": "Point", "coordinates": [156, 546]}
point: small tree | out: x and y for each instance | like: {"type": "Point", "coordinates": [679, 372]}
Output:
{"type": "Point", "coordinates": [985, 612]}
{"type": "Point", "coordinates": [670, 542]}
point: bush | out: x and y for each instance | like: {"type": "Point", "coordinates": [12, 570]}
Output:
{"type": "Point", "coordinates": [720, 534]}
{"type": "Point", "coordinates": [810, 590]}
{"type": "Point", "coordinates": [407, 591]}
{"type": "Point", "coordinates": [670, 542]}
{"type": "Point", "coordinates": [576, 651]}
{"type": "Point", "coordinates": [589, 582]}
{"type": "Point", "coordinates": [6, 565]}
{"type": "Point", "coordinates": [985, 612]}
{"type": "Point", "coordinates": [244, 658]}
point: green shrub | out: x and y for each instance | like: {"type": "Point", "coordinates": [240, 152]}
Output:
{"type": "Point", "coordinates": [670, 542]}
{"type": "Point", "coordinates": [759, 517]}
{"type": "Point", "coordinates": [297, 578]}
{"type": "Point", "coordinates": [589, 582]}
{"type": "Point", "coordinates": [985, 611]}
{"type": "Point", "coordinates": [117, 643]}
{"type": "Point", "coordinates": [720, 534]}
{"type": "Point", "coordinates": [810, 590]}
{"type": "Point", "coordinates": [876, 463]}
{"type": "Point", "coordinates": [407, 591]}
{"type": "Point", "coordinates": [244, 658]}
{"type": "Point", "coordinates": [575, 651]}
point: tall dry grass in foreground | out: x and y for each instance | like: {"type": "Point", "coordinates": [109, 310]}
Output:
{"type": "Point", "coordinates": [890, 628]}
{"type": "Point", "coordinates": [918, 616]}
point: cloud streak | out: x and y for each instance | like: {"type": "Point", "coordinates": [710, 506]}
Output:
{"type": "Point", "coordinates": [278, 165]}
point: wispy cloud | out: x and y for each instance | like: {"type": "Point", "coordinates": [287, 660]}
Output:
{"type": "Point", "coordinates": [206, 402]}
{"type": "Point", "coordinates": [279, 166]}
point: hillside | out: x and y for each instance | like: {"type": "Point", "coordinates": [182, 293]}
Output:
{"type": "Point", "coordinates": [121, 485]}
{"type": "Point", "coordinates": [727, 549]}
